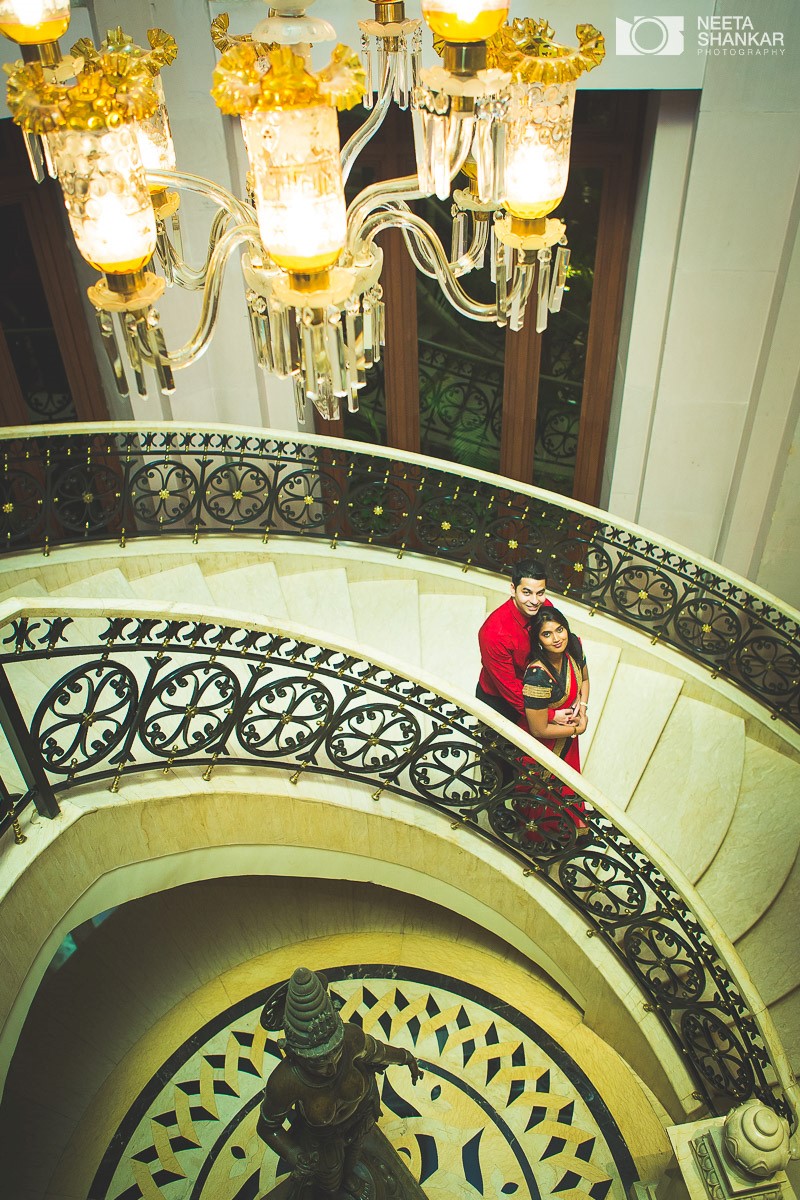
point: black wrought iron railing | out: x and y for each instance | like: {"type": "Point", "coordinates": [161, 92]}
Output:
{"type": "Point", "coordinates": [89, 695]}
{"type": "Point", "coordinates": [99, 482]}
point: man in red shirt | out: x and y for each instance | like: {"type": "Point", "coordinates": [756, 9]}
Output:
{"type": "Point", "coordinates": [505, 642]}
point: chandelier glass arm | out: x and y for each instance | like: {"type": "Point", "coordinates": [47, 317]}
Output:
{"type": "Point", "coordinates": [388, 193]}
{"type": "Point", "coordinates": [199, 341]}
{"type": "Point", "coordinates": [372, 124]}
{"type": "Point", "coordinates": [190, 278]}
{"type": "Point", "coordinates": [453, 291]}
{"type": "Point", "coordinates": [207, 188]}
{"type": "Point", "coordinates": [476, 252]}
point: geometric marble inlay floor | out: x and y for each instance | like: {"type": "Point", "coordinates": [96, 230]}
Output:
{"type": "Point", "coordinates": [502, 1109]}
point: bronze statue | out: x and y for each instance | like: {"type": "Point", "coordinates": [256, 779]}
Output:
{"type": "Point", "coordinates": [325, 1088]}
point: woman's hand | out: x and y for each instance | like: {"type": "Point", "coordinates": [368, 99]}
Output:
{"type": "Point", "coordinates": [304, 1165]}
{"type": "Point", "coordinates": [566, 716]}
{"type": "Point", "coordinates": [582, 722]}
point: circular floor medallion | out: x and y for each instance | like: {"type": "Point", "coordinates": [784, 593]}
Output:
{"type": "Point", "coordinates": [502, 1110]}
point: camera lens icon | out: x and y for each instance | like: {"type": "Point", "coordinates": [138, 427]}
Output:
{"type": "Point", "coordinates": [650, 35]}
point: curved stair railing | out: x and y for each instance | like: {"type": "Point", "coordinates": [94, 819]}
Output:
{"type": "Point", "coordinates": [133, 691]}
{"type": "Point", "coordinates": [96, 482]}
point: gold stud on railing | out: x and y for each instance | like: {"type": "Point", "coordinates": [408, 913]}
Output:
{"type": "Point", "coordinates": [335, 541]}
{"type": "Point", "coordinates": [19, 836]}
{"type": "Point", "coordinates": [294, 778]}
{"type": "Point", "coordinates": [115, 782]}
{"type": "Point", "coordinates": [122, 538]}
{"type": "Point", "coordinates": [209, 769]}
{"type": "Point", "coordinates": [265, 538]}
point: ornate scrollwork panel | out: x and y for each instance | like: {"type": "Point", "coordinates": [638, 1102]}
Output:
{"type": "Point", "coordinates": [645, 594]}
{"type": "Point", "coordinates": [308, 499]}
{"type": "Point", "coordinates": [22, 509]}
{"type": "Point", "coordinates": [448, 771]}
{"type": "Point", "coordinates": [87, 497]}
{"type": "Point", "coordinates": [604, 886]}
{"type": "Point", "coordinates": [163, 492]}
{"type": "Point", "coordinates": [770, 665]}
{"type": "Point", "coordinates": [707, 627]}
{"type": "Point", "coordinates": [373, 737]}
{"type": "Point", "coordinates": [718, 1053]}
{"type": "Point", "coordinates": [284, 716]}
{"type": "Point", "coordinates": [237, 494]}
{"type": "Point", "coordinates": [446, 524]}
{"type": "Point", "coordinates": [191, 708]}
{"type": "Point", "coordinates": [379, 510]}
{"type": "Point", "coordinates": [665, 960]}
{"type": "Point", "coordinates": [85, 716]}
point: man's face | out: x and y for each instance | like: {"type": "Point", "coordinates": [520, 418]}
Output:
{"type": "Point", "coordinates": [529, 595]}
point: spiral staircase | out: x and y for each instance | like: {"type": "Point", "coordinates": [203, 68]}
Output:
{"type": "Point", "coordinates": [689, 760]}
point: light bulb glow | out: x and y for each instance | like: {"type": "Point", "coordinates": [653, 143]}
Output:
{"type": "Point", "coordinates": [31, 22]}
{"type": "Point", "coordinates": [155, 137]}
{"type": "Point", "coordinates": [537, 149]}
{"type": "Point", "coordinates": [294, 156]}
{"type": "Point", "coordinates": [106, 196]}
{"type": "Point", "coordinates": [464, 20]}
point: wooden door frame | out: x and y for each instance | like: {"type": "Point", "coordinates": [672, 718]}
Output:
{"type": "Point", "coordinates": [45, 221]}
{"type": "Point", "coordinates": [616, 152]}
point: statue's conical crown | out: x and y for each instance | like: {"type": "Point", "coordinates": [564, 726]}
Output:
{"type": "Point", "coordinates": [311, 1023]}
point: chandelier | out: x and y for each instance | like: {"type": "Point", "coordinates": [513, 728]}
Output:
{"type": "Point", "coordinates": [498, 109]}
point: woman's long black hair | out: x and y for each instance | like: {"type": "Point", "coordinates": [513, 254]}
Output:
{"type": "Point", "coordinates": [548, 613]}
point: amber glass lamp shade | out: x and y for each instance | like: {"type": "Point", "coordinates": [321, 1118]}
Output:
{"type": "Point", "coordinates": [155, 137]}
{"type": "Point", "coordinates": [34, 22]}
{"type": "Point", "coordinates": [294, 158]}
{"type": "Point", "coordinates": [464, 20]}
{"type": "Point", "coordinates": [537, 149]}
{"type": "Point", "coordinates": [106, 196]}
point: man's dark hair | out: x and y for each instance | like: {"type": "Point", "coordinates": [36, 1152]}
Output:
{"type": "Point", "coordinates": [528, 568]}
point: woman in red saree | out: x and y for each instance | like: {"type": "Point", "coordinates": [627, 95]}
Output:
{"type": "Point", "coordinates": [555, 691]}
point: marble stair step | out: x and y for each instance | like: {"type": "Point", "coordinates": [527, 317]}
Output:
{"type": "Point", "coordinates": [786, 1015]}
{"type": "Point", "coordinates": [386, 615]}
{"type": "Point", "coordinates": [105, 585]}
{"type": "Point", "coordinates": [754, 861]}
{"type": "Point", "coordinates": [27, 587]}
{"type": "Point", "coordinates": [769, 948]}
{"type": "Point", "coordinates": [687, 795]}
{"type": "Point", "coordinates": [449, 638]}
{"type": "Point", "coordinates": [181, 585]}
{"type": "Point", "coordinates": [601, 661]}
{"type": "Point", "coordinates": [635, 712]}
{"type": "Point", "coordinates": [29, 688]}
{"type": "Point", "coordinates": [253, 589]}
{"type": "Point", "coordinates": [320, 600]}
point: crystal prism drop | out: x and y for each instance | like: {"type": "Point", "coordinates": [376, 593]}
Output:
{"type": "Point", "coordinates": [559, 279]}
{"type": "Point", "coordinates": [543, 291]}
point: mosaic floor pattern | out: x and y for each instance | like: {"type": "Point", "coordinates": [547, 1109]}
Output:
{"type": "Point", "coordinates": [502, 1110]}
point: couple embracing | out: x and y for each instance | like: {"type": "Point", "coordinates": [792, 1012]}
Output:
{"type": "Point", "coordinates": [533, 669]}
